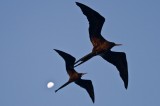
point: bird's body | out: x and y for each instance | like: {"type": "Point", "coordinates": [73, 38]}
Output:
{"type": "Point", "coordinates": [75, 76]}
{"type": "Point", "coordinates": [101, 46]}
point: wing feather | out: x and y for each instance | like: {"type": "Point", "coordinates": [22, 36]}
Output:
{"type": "Point", "coordinates": [69, 60]}
{"type": "Point", "coordinates": [119, 60]}
{"type": "Point", "coordinates": [96, 21]}
{"type": "Point", "coordinates": [87, 85]}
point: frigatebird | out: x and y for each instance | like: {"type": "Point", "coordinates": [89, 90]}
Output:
{"type": "Point", "coordinates": [101, 46]}
{"type": "Point", "coordinates": [75, 76]}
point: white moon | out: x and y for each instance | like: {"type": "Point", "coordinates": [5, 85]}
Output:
{"type": "Point", "coordinates": [50, 84]}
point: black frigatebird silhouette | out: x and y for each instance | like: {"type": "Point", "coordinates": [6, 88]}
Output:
{"type": "Point", "coordinates": [101, 46]}
{"type": "Point", "coordinates": [75, 76]}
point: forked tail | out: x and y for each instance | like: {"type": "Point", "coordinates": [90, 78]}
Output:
{"type": "Point", "coordinates": [63, 86]}
{"type": "Point", "coordinates": [84, 59]}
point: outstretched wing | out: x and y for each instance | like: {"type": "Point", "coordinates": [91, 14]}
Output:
{"type": "Point", "coordinates": [119, 60]}
{"type": "Point", "coordinates": [69, 60]}
{"type": "Point", "coordinates": [86, 84]}
{"type": "Point", "coordinates": [96, 21]}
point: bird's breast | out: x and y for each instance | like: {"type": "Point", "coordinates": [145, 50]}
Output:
{"type": "Point", "coordinates": [100, 46]}
{"type": "Point", "coordinates": [74, 76]}
{"type": "Point", "coordinates": [95, 41]}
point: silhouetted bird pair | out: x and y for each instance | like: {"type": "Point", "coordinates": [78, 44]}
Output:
{"type": "Point", "coordinates": [101, 47]}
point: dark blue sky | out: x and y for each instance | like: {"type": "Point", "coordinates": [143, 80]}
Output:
{"type": "Point", "coordinates": [31, 29]}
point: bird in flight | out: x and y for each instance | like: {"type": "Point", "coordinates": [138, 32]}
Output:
{"type": "Point", "coordinates": [75, 76]}
{"type": "Point", "coordinates": [101, 46]}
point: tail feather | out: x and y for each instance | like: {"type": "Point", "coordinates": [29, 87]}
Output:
{"type": "Point", "coordinates": [84, 59]}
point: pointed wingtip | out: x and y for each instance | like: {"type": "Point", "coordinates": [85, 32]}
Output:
{"type": "Point", "coordinates": [93, 100]}
{"type": "Point", "coordinates": [126, 86]}
{"type": "Point", "coordinates": [55, 49]}
{"type": "Point", "coordinates": [78, 4]}
{"type": "Point", "coordinates": [58, 51]}
{"type": "Point", "coordinates": [126, 83]}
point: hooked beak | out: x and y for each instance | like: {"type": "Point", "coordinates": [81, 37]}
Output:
{"type": "Point", "coordinates": [118, 44]}
{"type": "Point", "coordinates": [84, 73]}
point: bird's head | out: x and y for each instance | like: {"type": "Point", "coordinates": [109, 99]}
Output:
{"type": "Point", "coordinates": [81, 74]}
{"type": "Point", "coordinates": [118, 44]}
{"type": "Point", "coordinates": [114, 44]}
